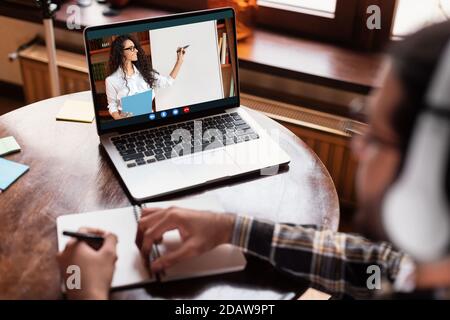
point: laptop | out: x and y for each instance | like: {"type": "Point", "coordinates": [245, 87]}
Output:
{"type": "Point", "coordinates": [197, 132]}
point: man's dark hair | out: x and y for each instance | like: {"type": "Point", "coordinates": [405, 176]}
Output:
{"type": "Point", "coordinates": [415, 60]}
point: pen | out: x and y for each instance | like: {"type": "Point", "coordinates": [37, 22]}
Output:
{"type": "Point", "coordinates": [93, 240]}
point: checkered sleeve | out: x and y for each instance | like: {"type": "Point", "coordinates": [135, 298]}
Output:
{"type": "Point", "coordinates": [338, 263]}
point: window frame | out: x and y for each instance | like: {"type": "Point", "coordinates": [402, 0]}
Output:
{"type": "Point", "coordinates": [339, 28]}
{"type": "Point", "coordinates": [348, 27]}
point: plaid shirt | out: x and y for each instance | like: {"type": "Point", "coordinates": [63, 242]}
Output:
{"type": "Point", "coordinates": [333, 262]}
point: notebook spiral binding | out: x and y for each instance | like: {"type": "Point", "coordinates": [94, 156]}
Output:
{"type": "Point", "coordinates": [137, 210]}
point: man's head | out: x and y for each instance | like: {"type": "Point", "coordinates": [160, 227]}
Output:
{"type": "Point", "coordinates": [393, 111]}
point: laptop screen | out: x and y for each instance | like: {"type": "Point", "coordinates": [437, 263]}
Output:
{"type": "Point", "coordinates": [148, 71]}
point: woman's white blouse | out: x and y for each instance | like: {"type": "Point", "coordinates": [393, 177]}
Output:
{"type": "Point", "coordinates": [116, 88]}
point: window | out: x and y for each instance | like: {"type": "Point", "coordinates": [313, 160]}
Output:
{"type": "Point", "coordinates": [325, 19]}
{"type": "Point", "coordinates": [414, 15]}
{"type": "Point", "coordinates": [326, 8]}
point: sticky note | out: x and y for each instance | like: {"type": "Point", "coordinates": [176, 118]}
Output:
{"type": "Point", "coordinates": [10, 171]}
{"type": "Point", "coordinates": [8, 145]}
{"type": "Point", "coordinates": [73, 110]}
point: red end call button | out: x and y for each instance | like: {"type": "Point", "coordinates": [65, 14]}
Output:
{"type": "Point", "coordinates": [186, 109]}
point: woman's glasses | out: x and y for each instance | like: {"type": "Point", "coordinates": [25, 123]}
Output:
{"type": "Point", "coordinates": [132, 48]}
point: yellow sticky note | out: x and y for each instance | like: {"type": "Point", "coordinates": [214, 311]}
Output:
{"type": "Point", "coordinates": [8, 145]}
{"type": "Point", "coordinates": [73, 110]}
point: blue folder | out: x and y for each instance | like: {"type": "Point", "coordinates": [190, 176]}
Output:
{"type": "Point", "coordinates": [138, 104]}
{"type": "Point", "coordinates": [9, 172]}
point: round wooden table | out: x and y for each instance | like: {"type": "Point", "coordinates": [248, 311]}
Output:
{"type": "Point", "coordinates": [70, 172]}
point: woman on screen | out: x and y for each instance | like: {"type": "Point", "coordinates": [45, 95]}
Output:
{"type": "Point", "coordinates": [130, 73]}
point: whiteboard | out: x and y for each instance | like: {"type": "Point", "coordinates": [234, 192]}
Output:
{"type": "Point", "coordinates": [200, 77]}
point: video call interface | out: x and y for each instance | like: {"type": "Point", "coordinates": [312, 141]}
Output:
{"type": "Point", "coordinates": [162, 72]}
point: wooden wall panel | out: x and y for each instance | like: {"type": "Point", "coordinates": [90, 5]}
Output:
{"type": "Point", "coordinates": [335, 153]}
{"type": "Point", "coordinates": [36, 80]}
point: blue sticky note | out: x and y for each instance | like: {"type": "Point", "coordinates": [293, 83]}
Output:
{"type": "Point", "coordinates": [138, 104]}
{"type": "Point", "coordinates": [9, 172]}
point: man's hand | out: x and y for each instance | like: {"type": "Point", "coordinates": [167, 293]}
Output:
{"type": "Point", "coordinates": [200, 231]}
{"type": "Point", "coordinates": [96, 266]}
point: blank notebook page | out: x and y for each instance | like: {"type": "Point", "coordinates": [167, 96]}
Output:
{"type": "Point", "coordinates": [130, 268]}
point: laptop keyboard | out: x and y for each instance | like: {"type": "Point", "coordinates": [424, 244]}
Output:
{"type": "Point", "coordinates": [152, 145]}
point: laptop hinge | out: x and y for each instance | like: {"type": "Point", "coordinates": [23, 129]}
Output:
{"type": "Point", "coordinates": [150, 125]}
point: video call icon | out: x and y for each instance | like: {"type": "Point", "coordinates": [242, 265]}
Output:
{"type": "Point", "coordinates": [175, 112]}
{"type": "Point", "coordinates": [163, 114]}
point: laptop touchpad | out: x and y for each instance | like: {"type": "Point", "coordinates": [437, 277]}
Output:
{"type": "Point", "coordinates": [207, 166]}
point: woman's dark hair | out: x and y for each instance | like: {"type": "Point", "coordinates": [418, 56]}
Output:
{"type": "Point", "coordinates": [415, 60]}
{"type": "Point", "coordinates": [116, 56]}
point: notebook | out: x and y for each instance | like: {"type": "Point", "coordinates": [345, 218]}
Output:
{"type": "Point", "coordinates": [130, 267]}
{"type": "Point", "coordinates": [10, 171]}
{"type": "Point", "coordinates": [8, 145]}
{"type": "Point", "coordinates": [80, 111]}
{"type": "Point", "coordinates": [138, 104]}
